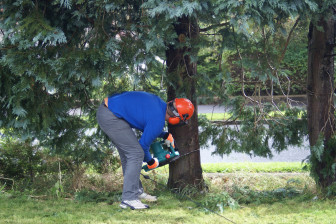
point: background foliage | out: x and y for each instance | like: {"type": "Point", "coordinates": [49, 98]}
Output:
{"type": "Point", "coordinates": [60, 58]}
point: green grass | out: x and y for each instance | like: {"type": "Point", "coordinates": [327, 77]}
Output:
{"type": "Point", "coordinates": [249, 193]}
{"type": "Point", "coordinates": [166, 210]}
{"type": "Point", "coordinates": [265, 167]}
{"type": "Point", "coordinates": [216, 116]}
{"type": "Point", "coordinates": [225, 116]}
{"type": "Point", "coordinates": [23, 209]}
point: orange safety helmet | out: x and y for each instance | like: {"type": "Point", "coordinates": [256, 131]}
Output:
{"type": "Point", "coordinates": [183, 112]}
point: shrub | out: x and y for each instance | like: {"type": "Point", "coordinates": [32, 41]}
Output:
{"type": "Point", "coordinates": [19, 159]}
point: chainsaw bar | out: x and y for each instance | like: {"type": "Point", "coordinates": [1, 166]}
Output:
{"type": "Point", "coordinates": [181, 156]}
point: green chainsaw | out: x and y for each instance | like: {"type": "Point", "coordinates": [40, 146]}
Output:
{"type": "Point", "coordinates": [163, 153]}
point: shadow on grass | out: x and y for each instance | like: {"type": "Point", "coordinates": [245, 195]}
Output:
{"type": "Point", "coordinates": [94, 196]}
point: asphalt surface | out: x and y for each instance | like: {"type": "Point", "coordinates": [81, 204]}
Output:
{"type": "Point", "coordinates": [292, 154]}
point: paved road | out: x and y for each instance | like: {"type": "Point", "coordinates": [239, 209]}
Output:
{"type": "Point", "coordinates": [210, 109]}
{"type": "Point", "coordinates": [293, 154]}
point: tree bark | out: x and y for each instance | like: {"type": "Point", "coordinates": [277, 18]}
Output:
{"type": "Point", "coordinates": [320, 95]}
{"type": "Point", "coordinates": [180, 72]}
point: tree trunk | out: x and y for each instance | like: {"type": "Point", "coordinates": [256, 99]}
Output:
{"type": "Point", "coordinates": [320, 91]}
{"type": "Point", "coordinates": [180, 72]}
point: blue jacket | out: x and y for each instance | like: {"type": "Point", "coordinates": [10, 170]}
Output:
{"type": "Point", "coordinates": [143, 111]}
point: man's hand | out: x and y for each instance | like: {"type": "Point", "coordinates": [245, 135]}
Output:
{"type": "Point", "coordinates": [153, 163]}
{"type": "Point", "coordinates": [169, 140]}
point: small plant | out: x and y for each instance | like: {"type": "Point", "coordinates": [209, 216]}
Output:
{"type": "Point", "coordinates": [2, 187]}
{"type": "Point", "coordinates": [58, 189]}
{"type": "Point", "coordinates": [188, 191]}
{"type": "Point", "coordinates": [19, 159]}
{"type": "Point", "coordinates": [218, 202]}
{"type": "Point", "coordinates": [331, 190]}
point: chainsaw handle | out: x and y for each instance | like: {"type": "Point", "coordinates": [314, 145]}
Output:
{"type": "Point", "coordinates": [171, 148]}
{"type": "Point", "coordinates": [163, 153]}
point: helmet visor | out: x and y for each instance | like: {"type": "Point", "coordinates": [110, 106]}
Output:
{"type": "Point", "coordinates": [173, 109]}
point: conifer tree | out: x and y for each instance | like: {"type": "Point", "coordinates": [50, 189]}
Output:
{"type": "Point", "coordinates": [64, 55]}
{"type": "Point", "coordinates": [320, 93]}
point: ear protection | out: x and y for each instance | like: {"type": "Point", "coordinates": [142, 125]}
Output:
{"type": "Point", "coordinates": [174, 120]}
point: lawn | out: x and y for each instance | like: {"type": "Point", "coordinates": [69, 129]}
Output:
{"type": "Point", "coordinates": [167, 210]}
{"type": "Point", "coordinates": [239, 196]}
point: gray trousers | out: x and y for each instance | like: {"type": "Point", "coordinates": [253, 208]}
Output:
{"type": "Point", "coordinates": [130, 151]}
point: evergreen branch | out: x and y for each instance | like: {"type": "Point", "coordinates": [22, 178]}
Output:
{"type": "Point", "coordinates": [88, 101]}
{"type": "Point", "coordinates": [103, 26]}
{"type": "Point", "coordinates": [288, 39]}
{"type": "Point", "coordinates": [246, 82]}
{"type": "Point", "coordinates": [9, 47]}
{"type": "Point", "coordinates": [242, 68]}
{"type": "Point", "coordinates": [209, 34]}
{"type": "Point", "coordinates": [274, 70]}
{"type": "Point", "coordinates": [214, 26]}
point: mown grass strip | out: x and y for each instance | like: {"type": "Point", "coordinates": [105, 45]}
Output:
{"type": "Point", "coordinates": [216, 116]}
{"type": "Point", "coordinates": [225, 116]}
{"type": "Point", "coordinates": [265, 167]}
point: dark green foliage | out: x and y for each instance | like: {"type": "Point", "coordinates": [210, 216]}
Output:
{"type": "Point", "coordinates": [331, 190]}
{"type": "Point", "coordinates": [265, 63]}
{"type": "Point", "coordinates": [291, 130]}
{"type": "Point", "coordinates": [20, 160]}
{"type": "Point", "coordinates": [58, 57]}
{"type": "Point", "coordinates": [59, 60]}
{"type": "Point", "coordinates": [294, 63]}
{"type": "Point", "coordinates": [323, 163]}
